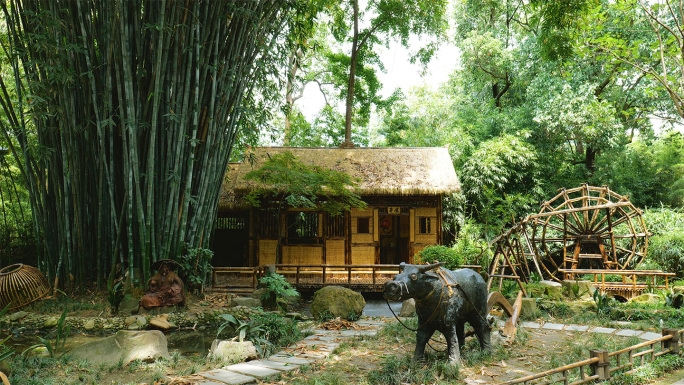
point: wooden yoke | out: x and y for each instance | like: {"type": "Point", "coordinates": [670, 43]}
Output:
{"type": "Point", "coordinates": [513, 312]}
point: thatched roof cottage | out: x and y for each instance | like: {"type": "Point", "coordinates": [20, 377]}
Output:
{"type": "Point", "coordinates": [402, 187]}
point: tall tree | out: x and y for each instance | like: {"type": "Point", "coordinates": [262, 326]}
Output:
{"type": "Point", "coordinates": [385, 20]}
{"type": "Point", "coordinates": [124, 114]}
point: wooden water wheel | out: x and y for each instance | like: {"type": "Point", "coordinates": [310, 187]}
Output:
{"type": "Point", "coordinates": [587, 228]}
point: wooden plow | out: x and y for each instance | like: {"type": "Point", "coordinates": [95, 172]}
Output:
{"type": "Point", "coordinates": [581, 228]}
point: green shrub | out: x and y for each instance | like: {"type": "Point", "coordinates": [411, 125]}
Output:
{"type": "Point", "coordinates": [403, 370]}
{"type": "Point", "coordinates": [195, 268]}
{"type": "Point", "coordinates": [666, 246]}
{"type": "Point", "coordinates": [277, 288]}
{"type": "Point", "coordinates": [470, 245]}
{"type": "Point", "coordinates": [645, 374]}
{"type": "Point", "coordinates": [432, 254]}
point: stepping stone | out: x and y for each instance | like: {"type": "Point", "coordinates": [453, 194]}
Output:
{"type": "Point", "coordinates": [274, 365]}
{"type": "Point", "coordinates": [552, 326]}
{"type": "Point", "coordinates": [204, 381]}
{"type": "Point", "coordinates": [531, 325]}
{"type": "Point", "coordinates": [289, 359]}
{"type": "Point", "coordinates": [576, 328]}
{"type": "Point", "coordinates": [603, 330]}
{"type": "Point", "coordinates": [628, 333]}
{"type": "Point", "coordinates": [251, 370]}
{"type": "Point", "coordinates": [650, 336]}
{"type": "Point", "coordinates": [227, 377]}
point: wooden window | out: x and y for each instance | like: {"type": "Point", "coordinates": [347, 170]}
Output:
{"type": "Point", "coordinates": [302, 227]}
{"type": "Point", "coordinates": [335, 226]}
{"type": "Point", "coordinates": [231, 223]}
{"type": "Point", "coordinates": [268, 223]}
{"type": "Point", "coordinates": [425, 225]}
{"type": "Point", "coordinates": [363, 225]}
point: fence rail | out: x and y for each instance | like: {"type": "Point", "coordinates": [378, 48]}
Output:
{"type": "Point", "coordinates": [604, 364]}
{"type": "Point", "coordinates": [302, 277]}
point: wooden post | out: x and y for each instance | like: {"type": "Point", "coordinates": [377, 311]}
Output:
{"type": "Point", "coordinates": [673, 343]}
{"type": "Point", "coordinates": [602, 367]}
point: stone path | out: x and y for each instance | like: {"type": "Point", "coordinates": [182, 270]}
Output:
{"type": "Point", "coordinates": [592, 329]}
{"type": "Point", "coordinates": [322, 343]}
{"type": "Point", "coordinates": [311, 349]}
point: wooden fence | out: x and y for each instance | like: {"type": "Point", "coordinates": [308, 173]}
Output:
{"type": "Point", "coordinates": [306, 277]}
{"type": "Point", "coordinates": [368, 278]}
{"type": "Point", "coordinates": [602, 365]}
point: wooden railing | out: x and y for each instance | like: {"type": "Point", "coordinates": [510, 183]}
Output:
{"type": "Point", "coordinates": [564, 371]}
{"type": "Point", "coordinates": [604, 364]}
{"type": "Point", "coordinates": [302, 277]}
{"type": "Point", "coordinates": [631, 288]}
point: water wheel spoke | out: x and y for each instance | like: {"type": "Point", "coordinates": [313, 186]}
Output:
{"type": "Point", "coordinates": [601, 200]}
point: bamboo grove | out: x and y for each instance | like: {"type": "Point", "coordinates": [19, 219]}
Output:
{"type": "Point", "coordinates": [122, 115]}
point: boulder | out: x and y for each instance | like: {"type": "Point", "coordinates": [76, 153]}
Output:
{"type": "Point", "coordinates": [161, 322]}
{"type": "Point", "coordinates": [583, 288]}
{"type": "Point", "coordinates": [678, 300]}
{"type": "Point", "coordinates": [245, 301]}
{"type": "Point", "coordinates": [528, 307]}
{"type": "Point", "coordinates": [231, 352]}
{"type": "Point", "coordinates": [408, 308]}
{"type": "Point", "coordinates": [678, 289]}
{"type": "Point", "coordinates": [337, 301]}
{"type": "Point", "coordinates": [89, 324]}
{"type": "Point", "coordinates": [129, 305]}
{"type": "Point", "coordinates": [18, 315]}
{"type": "Point", "coordinates": [125, 346]}
{"type": "Point", "coordinates": [646, 298]}
{"type": "Point", "coordinates": [51, 322]}
{"type": "Point", "coordinates": [552, 289]}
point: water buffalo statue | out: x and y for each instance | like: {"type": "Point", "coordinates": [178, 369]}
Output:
{"type": "Point", "coordinates": [445, 301]}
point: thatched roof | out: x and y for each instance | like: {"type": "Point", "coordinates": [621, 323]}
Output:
{"type": "Point", "coordinates": [381, 171]}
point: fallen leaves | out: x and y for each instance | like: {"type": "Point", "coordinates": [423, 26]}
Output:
{"type": "Point", "coordinates": [341, 324]}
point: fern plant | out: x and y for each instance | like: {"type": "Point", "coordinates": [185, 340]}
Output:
{"type": "Point", "coordinates": [277, 288]}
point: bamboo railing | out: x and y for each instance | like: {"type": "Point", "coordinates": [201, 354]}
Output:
{"type": "Point", "coordinates": [604, 364]}
{"type": "Point", "coordinates": [363, 277]}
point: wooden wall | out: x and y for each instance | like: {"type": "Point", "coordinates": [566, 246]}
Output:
{"type": "Point", "coordinates": [353, 247]}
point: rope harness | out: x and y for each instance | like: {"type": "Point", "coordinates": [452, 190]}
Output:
{"type": "Point", "coordinates": [449, 286]}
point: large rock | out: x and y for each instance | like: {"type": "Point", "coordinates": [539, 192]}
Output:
{"type": "Point", "coordinates": [231, 352]}
{"type": "Point", "coordinates": [125, 346]}
{"type": "Point", "coordinates": [582, 287]}
{"type": "Point", "coordinates": [528, 307]}
{"type": "Point", "coordinates": [552, 289]}
{"type": "Point", "coordinates": [337, 301]}
{"type": "Point", "coordinates": [408, 308]}
{"type": "Point", "coordinates": [646, 298]}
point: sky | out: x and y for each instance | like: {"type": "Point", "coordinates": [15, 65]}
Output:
{"type": "Point", "coordinates": [400, 73]}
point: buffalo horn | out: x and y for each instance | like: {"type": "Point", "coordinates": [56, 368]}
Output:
{"type": "Point", "coordinates": [424, 268]}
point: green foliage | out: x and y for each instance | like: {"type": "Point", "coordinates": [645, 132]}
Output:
{"type": "Point", "coordinates": [115, 295]}
{"type": "Point", "coordinates": [291, 183]}
{"type": "Point", "coordinates": [648, 372]}
{"type": "Point", "coordinates": [54, 346]}
{"type": "Point", "coordinates": [438, 253]}
{"type": "Point", "coordinates": [471, 247]}
{"type": "Point", "coordinates": [195, 267]}
{"type": "Point", "coordinates": [267, 331]}
{"type": "Point", "coordinates": [403, 370]}
{"type": "Point", "coordinates": [279, 330]}
{"type": "Point", "coordinates": [603, 302]}
{"type": "Point", "coordinates": [666, 246]}
{"type": "Point", "coordinates": [5, 352]}
{"type": "Point", "coordinates": [277, 288]}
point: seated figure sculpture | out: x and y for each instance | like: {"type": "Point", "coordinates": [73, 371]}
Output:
{"type": "Point", "coordinates": [164, 288]}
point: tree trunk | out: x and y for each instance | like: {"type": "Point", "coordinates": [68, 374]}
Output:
{"type": "Point", "coordinates": [352, 78]}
